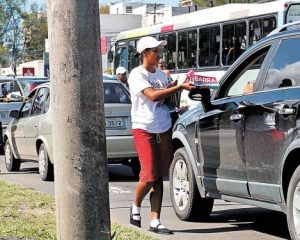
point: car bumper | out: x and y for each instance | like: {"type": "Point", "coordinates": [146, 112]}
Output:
{"type": "Point", "coordinates": [120, 147]}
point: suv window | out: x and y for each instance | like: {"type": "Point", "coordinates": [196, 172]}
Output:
{"type": "Point", "coordinates": [246, 78]}
{"type": "Point", "coordinates": [285, 65]}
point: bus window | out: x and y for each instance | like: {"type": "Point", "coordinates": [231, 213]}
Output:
{"type": "Point", "coordinates": [269, 24]}
{"type": "Point", "coordinates": [234, 35]}
{"type": "Point", "coordinates": [133, 59]}
{"type": "Point", "coordinates": [209, 46]}
{"type": "Point", "coordinates": [293, 13]}
{"type": "Point", "coordinates": [187, 48]}
{"type": "Point", "coordinates": [169, 51]}
{"type": "Point", "coordinates": [260, 27]}
{"type": "Point", "coordinates": [121, 58]}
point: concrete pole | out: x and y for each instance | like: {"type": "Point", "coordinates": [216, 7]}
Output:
{"type": "Point", "coordinates": [79, 146]}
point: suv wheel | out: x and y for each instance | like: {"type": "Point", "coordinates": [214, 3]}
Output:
{"type": "Point", "coordinates": [186, 200]}
{"type": "Point", "coordinates": [293, 205]}
{"type": "Point", "coordinates": [45, 166]}
{"type": "Point", "coordinates": [12, 164]}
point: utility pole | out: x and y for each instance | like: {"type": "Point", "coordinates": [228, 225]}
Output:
{"type": "Point", "coordinates": [79, 144]}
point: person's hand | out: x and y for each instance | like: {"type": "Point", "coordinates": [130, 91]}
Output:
{"type": "Point", "coordinates": [187, 86]}
{"type": "Point", "coordinates": [6, 99]}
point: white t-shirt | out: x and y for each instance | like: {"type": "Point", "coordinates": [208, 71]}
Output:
{"type": "Point", "coordinates": [154, 117]}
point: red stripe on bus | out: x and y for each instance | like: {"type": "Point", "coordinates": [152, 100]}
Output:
{"type": "Point", "coordinates": [167, 28]}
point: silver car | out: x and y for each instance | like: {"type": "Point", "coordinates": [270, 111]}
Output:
{"type": "Point", "coordinates": [29, 135]}
{"type": "Point", "coordinates": [14, 89]}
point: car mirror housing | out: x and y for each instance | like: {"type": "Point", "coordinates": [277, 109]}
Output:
{"type": "Point", "coordinates": [14, 114]}
{"type": "Point", "coordinates": [202, 94]}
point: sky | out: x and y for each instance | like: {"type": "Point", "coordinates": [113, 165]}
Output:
{"type": "Point", "coordinates": [166, 2]}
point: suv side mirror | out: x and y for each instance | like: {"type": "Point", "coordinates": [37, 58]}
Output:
{"type": "Point", "coordinates": [14, 113]}
{"type": "Point", "coordinates": [202, 94]}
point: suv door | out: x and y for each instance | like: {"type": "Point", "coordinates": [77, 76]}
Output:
{"type": "Point", "coordinates": [270, 122]}
{"type": "Point", "coordinates": [221, 131]}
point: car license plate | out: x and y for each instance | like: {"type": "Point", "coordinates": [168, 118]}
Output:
{"type": "Point", "coordinates": [114, 123]}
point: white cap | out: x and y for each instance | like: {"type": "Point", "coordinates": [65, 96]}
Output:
{"type": "Point", "coordinates": [149, 42]}
{"type": "Point", "coordinates": [121, 70]}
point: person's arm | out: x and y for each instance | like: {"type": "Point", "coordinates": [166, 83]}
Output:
{"type": "Point", "coordinates": [161, 94]}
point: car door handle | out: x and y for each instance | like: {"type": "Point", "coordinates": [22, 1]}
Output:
{"type": "Point", "coordinates": [236, 117]}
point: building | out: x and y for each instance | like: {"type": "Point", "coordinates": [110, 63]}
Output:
{"type": "Point", "coordinates": [185, 3]}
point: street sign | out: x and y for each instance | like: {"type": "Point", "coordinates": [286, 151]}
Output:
{"type": "Point", "coordinates": [28, 71]}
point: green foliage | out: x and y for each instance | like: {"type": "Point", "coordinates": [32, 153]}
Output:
{"type": "Point", "coordinates": [104, 10]}
{"type": "Point", "coordinates": [35, 32]}
{"type": "Point", "coordinates": [25, 213]}
{"type": "Point", "coordinates": [10, 31]}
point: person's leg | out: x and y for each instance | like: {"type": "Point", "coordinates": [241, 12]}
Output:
{"type": "Point", "coordinates": [156, 196]}
{"type": "Point", "coordinates": [145, 147]}
{"type": "Point", "coordinates": [163, 160]}
{"type": "Point", "coordinates": [141, 190]}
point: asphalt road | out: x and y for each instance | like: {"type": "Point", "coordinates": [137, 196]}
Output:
{"type": "Point", "coordinates": [228, 220]}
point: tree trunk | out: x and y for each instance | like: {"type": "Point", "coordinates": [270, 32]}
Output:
{"type": "Point", "coordinates": [79, 146]}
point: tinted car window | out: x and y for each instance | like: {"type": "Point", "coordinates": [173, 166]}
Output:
{"type": "Point", "coordinates": [246, 79]}
{"type": "Point", "coordinates": [26, 108]}
{"type": "Point", "coordinates": [284, 68]}
{"type": "Point", "coordinates": [47, 103]}
{"type": "Point", "coordinates": [115, 93]}
{"type": "Point", "coordinates": [39, 101]}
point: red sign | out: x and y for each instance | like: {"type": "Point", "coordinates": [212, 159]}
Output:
{"type": "Point", "coordinates": [200, 80]}
{"type": "Point", "coordinates": [103, 44]}
{"type": "Point", "coordinates": [28, 71]}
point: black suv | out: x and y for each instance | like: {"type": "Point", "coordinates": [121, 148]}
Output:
{"type": "Point", "coordinates": [242, 144]}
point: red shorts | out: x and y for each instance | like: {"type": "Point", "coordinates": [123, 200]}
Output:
{"type": "Point", "coordinates": [155, 153]}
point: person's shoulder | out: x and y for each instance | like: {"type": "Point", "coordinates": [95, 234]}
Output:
{"type": "Point", "coordinates": [135, 70]}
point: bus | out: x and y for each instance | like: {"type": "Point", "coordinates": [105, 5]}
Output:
{"type": "Point", "coordinates": [209, 40]}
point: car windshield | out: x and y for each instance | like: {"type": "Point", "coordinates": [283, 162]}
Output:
{"type": "Point", "coordinates": [30, 84]}
{"type": "Point", "coordinates": [115, 93]}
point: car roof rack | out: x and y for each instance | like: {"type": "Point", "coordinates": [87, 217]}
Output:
{"type": "Point", "coordinates": [286, 27]}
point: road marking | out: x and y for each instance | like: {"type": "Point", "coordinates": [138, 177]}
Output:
{"type": "Point", "coordinates": [117, 190]}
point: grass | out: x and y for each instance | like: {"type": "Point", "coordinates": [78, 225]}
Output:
{"type": "Point", "coordinates": [27, 214]}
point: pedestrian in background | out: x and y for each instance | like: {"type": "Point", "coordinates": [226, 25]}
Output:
{"type": "Point", "coordinates": [122, 75]}
{"type": "Point", "coordinates": [151, 124]}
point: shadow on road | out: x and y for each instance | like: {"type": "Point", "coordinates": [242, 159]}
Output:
{"type": "Point", "coordinates": [119, 172]}
{"type": "Point", "coordinates": [255, 219]}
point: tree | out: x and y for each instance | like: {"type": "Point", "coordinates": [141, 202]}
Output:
{"type": "Point", "coordinates": [79, 144]}
{"type": "Point", "coordinates": [104, 10]}
{"type": "Point", "coordinates": [10, 31]}
{"type": "Point", "coordinates": [35, 31]}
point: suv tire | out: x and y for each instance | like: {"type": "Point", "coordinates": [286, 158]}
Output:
{"type": "Point", "coordinates": [293, 203]}
{"type": "Point", "coordinates": [12, 164]}
{"type": "Point", "coordinates": [186, 200]}
{"type": "Point", "coordinates": [45, 166]}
